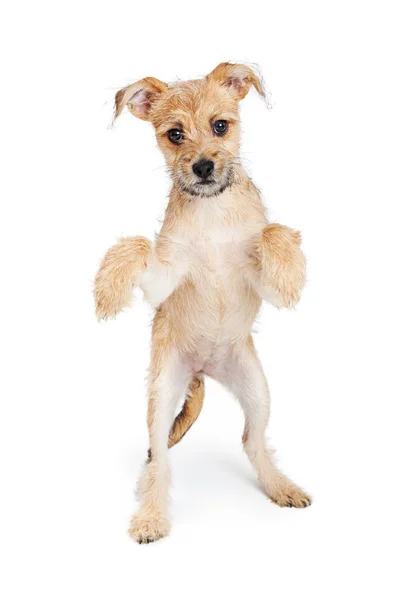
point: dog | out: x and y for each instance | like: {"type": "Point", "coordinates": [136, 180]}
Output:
{"type": "Point", "coordinates": [214, 261]}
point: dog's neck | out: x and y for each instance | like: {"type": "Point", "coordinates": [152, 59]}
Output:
{"type": "Point", "coordinates": [240, 202]}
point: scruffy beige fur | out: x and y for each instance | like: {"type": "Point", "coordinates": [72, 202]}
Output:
{"type": "Point", "coordinates": [216, 258]}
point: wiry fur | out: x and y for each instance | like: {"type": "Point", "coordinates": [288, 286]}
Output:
{"type": "Point", "coordinates": [216, 258]}
{"type": "Point", "coordinates": [118, 273]}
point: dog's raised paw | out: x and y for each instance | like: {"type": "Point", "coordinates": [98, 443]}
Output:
{"type": "Point", "coordinates": [290, 495]}
{"type": "Point", "coordinates": [144, 529]}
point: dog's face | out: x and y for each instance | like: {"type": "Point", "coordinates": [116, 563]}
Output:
{"type": "Point", "coordinates": [196, 124]}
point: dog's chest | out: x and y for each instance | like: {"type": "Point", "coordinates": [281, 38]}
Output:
{"type": "Point", "coordinates": [217, 251]}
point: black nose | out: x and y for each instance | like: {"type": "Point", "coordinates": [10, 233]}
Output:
{"type": "Point", "coordinates": [203, 168]}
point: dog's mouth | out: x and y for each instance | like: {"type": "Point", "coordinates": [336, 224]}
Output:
{"type": "Point", "coordinates": [208, 187]}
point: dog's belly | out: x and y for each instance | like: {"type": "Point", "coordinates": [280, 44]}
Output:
{"type": "Point", "coordinates": [209, 359]}
{"type": "Point", "coordinates": [214, 307]}
{"type": "Point", "coordinates": [209, 314]}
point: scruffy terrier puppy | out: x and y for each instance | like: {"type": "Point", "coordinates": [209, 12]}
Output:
{"type": "Point", "coordinates": [216, 258]}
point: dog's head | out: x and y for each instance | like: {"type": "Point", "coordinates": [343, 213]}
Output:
{"type": "Point", "coordinates": [196, 124]}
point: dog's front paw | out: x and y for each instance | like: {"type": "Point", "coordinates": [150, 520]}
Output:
{"type": "Point", "coordinates": [118, 272]}
{"type": "Point", "coordinates": [283, 264]}
{"type": "Point", "coordinates": [145, 529]}
{"type": "Point", "coordinates": [106, 305]}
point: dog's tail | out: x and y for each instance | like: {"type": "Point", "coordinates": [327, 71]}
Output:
{"type": "Point", "coordinates": [189, 413]}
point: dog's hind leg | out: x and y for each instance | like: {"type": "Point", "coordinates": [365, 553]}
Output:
{"type": "Point", "coordinates": [169, 380]}
{"type": "Point", "coordinates": [244, 376]}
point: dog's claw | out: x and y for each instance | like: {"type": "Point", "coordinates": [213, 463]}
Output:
{"type": "Point", "coordinates": [291, 497]}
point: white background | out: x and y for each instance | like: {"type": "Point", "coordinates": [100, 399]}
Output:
{"type": "Point", "coordinates": [73, 434]}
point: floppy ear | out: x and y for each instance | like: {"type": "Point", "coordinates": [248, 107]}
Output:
{"type": "Point", "coordinates": [237, 78]}
{"type": "Point", "coordinates": [139, 97]}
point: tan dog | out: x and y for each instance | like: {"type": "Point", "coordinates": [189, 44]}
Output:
{"type": "Point", "coordinates": [213, 263]}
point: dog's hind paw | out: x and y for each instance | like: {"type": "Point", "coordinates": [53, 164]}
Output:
{"type": "Point", "coordinates": [144, 529]}
{"type": "Point", "coordinates": [290, 495]}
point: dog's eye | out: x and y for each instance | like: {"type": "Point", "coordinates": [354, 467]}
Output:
{"type": "Point", "coordinates": [220, 127]}
{"type": "Point", "coordinates": [175, 135]}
